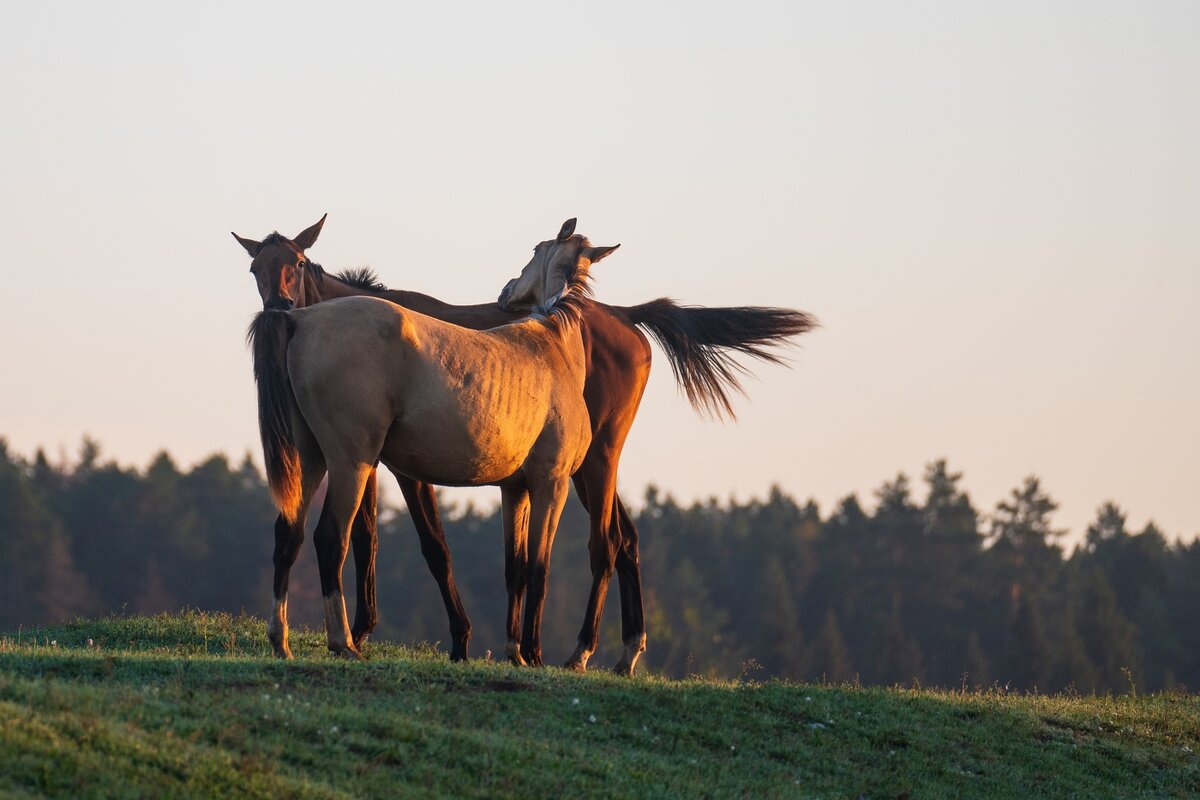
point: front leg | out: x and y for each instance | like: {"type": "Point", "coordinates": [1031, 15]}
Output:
{"type": "Point", "coordinates": [514, 505]}
{"type": "Point", "coordinates": [422, 506]}
{"type": "Point", "coordinates": [546, 501]}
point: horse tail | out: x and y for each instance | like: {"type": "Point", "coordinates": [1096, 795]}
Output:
{"type": "Point", "coordinates": [701, 343]}
{"type": "Point", "coordinates": [268, 336]}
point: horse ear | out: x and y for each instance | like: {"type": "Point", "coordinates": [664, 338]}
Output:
{"type": "Point", "coordinates": [567, 229]}
{"type": "Point", "coordinates": [307, 237]}
{"type": "Point", "coordinates": [250, 245]}
{"type": "Point", "coordinates": [594, 254]}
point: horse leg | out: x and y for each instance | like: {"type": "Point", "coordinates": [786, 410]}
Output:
{"type": "Point", "coordinates": [288, 539]}
{"type": "Point", "coordinates": [601, 489]}
{"type": "Point", "coordinates": [422, 506]}
{"type": "Point", "coordinates": [514, 505]}
{"type": "Point", "coordinates": [332, 540]}
{"type": "Point", "coordinates": [629, 577]}
{"type": "Point", "coordinates": [364, 538]}
{"type": "Point", "coordinates": [546, 502]}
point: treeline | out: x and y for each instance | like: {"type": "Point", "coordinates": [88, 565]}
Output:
{"type": "Point", "coordinates": [923, 588]}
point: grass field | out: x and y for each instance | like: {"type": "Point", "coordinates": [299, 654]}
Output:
{"type": "Point", "coordinates": [193, 705]}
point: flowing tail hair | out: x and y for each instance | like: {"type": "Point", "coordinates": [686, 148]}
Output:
{"type": "Point", "coordinates": [701, 343]}
{"type": "Point", "coordinates": [268, 337]}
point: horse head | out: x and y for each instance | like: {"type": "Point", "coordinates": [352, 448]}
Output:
{"type": "Point", "coordinates": [281, 268]}
{"type": "Point", "coordinates": [556, 266]}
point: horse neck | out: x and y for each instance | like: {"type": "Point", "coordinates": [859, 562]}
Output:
{"type": "Point", "coordinates": [328, 287]}
{"type": "Point", "coordinates": [476, 317]}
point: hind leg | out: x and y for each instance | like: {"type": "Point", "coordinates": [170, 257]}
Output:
{"type": "Point", "coordinates": [629, 576]}
{"type": "Point", "coordinates": [600, 482]}
{"type": "Point", "coordinates": [364, 539]}
{"type": "Point", "coordinates": [332, 539]}
{"type": "Point", "coordinates": [288, 538]}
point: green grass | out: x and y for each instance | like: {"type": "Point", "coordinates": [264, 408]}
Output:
{"type": "Point", "coordinates": [193, 705]}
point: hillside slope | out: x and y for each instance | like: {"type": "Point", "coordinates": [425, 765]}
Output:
{"type": "Point", "coordinates": [193, 705]}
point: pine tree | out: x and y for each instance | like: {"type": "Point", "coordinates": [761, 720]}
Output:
{"type": "Point", "coordinates": [827, 657]}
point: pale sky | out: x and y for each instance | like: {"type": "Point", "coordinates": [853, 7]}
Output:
{"type": "Point", "coordinates": [994, 209]}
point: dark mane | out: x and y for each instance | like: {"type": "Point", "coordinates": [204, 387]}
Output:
{"type": "Point", "coordinates": [362, 278]}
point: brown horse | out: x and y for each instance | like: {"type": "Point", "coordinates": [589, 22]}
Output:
{"type": "Point", "coordinates": [350, 383]}
{"type": "Point", "coordinates": [699, 342]}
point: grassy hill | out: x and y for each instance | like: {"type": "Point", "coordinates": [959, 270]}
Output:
{"type": "Point", "coordinates": [193, 705]}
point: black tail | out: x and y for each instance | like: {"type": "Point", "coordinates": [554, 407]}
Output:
{"type": "Point", "coordinates": [268, 336]}
{"type": "Point", "coordinates": [701, 344]}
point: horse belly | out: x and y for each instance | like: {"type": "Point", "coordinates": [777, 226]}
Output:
{"type": "Point", "coordinates": [453, 448]}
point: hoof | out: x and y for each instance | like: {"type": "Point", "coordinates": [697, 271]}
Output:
{"type": "Point", "coordinates": [578, 660]}
{"type": "Point", "coordinates": [346, 653]}
{"type": "Point", "coordinates": [513, 651]}
{"type": "Point", "coordinates": [634, 647]}
{"type": "Point", "coordinates": [623, 668]}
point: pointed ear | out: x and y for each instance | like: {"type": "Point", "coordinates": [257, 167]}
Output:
{"type": "Point", "coordinates": [567, 229]}
{"type": "Point", "coordinates": [594, 254]}
{"type": "Point", "coordinates": [250, 245]}
{"type": "Point", "coordinates": [307, 237]}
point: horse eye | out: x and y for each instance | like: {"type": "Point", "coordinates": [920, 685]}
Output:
{"type": "Point", "coordinates": [300, 264]}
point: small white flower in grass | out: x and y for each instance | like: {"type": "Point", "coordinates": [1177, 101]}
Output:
{"type": "Point", "coordinates": [816, 726]}
{"type": "Point", "coordinates": [334, 729]}
{"type": "Point", "coordinates": [574, 701]}
{"type": "Point", "coordinates": [693, 762]}
{"type": "Point", "coordinates": [91, 643]}
{"type": "Point", "coordinates": [54, 642]}
{"type": "Point", "coordinates": [733, 748]}
{"type": "Point", "coordinates": [808, 699]}
{"type": "Point", "coordinates": [591, 717]}
{"type": "Point", "coordinates": [277, 687]}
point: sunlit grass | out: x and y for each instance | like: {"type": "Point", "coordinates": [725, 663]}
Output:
{"type": "Point", "coordinates": [194, 704]}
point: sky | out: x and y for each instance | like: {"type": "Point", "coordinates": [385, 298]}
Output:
{"type": "Point", "coordinates": [992, 208]}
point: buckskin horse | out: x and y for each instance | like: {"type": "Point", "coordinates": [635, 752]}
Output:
{"type": "Point", "coordinates": [700, 344]}
{"type": "Point", "coordinates": [353, 382]}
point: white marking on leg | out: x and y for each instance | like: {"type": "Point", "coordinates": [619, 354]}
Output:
{"type": "Point", "coordinates": [337, 627]}
{"type": "Point", "coordinates": [513, 651]}
{"type": "Point", "coordinates": [277, 627]}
